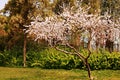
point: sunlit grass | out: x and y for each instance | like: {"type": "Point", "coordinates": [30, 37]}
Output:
{"type": "Point", "coordinates": [55, 74]}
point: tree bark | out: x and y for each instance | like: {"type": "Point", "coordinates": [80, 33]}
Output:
{"type": "Point", "coordinates": [24, 51]}
{"type": "Point", "coordinates": [88, 69]}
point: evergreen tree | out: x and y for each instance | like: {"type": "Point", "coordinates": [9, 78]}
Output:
{"type": "Point", "coordinates": [19, 15]}
{"type": "Point", "coordinates": [21, 12]}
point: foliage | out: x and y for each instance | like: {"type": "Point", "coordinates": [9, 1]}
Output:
{"type": "Point", "coordinates": [3, 32]}
{"type": "Point", "coordinates": [112, 7]}
{"type": "Point", "coordinates": [105, 61]}
{"type": "Point", "coordinates": [11, 57]}
{"type": "Point", "coordinates": [58, 9]}
{"type": "Point", "coordinates": [49, 58]}
{"type": "Point", "coordinates": [93, 4]}
{"type": "Point", "coordinates": [52, 59]}
{"type": "Point", "coordinates": [14, 56]}
{"type": "Point", "coordinates": [19, 15]}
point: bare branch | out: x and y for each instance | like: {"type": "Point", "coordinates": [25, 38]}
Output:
{"type": "Point", "coordinates": [66, 52]}
{"type": "Point", "coordinates": [78, 53]}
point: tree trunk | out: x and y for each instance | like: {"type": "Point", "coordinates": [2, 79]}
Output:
{"type": "Point", "coordinates": [24, 51]}
{"type": "Point", "coordinates": [88, 69]}
{"type": "Point", "coordinates": [85, 60]}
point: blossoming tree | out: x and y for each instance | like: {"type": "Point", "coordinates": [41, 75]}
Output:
{"type": "Point", "coordinates": [61, 29]}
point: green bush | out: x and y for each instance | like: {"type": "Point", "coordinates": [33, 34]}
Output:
{"type": "Point", "coordinates": [50, 58]}
{"type": "Point", "coordinates": [14, 56]}
{"type": "Point", "coordinates": [105, 61]}
{"type": "Point", "coordinates": [53, 59]}
{"type": "Point", "coordinates": [8, 59]}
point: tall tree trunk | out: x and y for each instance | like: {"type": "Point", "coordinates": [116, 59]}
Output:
{"type": "Point", "coordinates": [24, 51]}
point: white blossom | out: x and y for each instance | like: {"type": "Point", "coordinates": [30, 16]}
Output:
{"type": "Point", "coordinates": [60, 27]}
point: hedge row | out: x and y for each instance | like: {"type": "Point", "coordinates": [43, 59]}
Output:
{"type": "Point", "coordinates": [51, 59]}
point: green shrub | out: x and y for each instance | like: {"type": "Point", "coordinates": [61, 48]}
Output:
{"type": "Point", "coordinates": [105, 61]}
{"type": "Point", "coordinates": [55, 59]}
{"type": "Point", "coordinates": [13, 57]}
{"type": "Point", "coordinates": [50, 58]}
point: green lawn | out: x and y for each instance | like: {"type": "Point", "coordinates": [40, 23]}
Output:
{"type": "Point", "coordinates": [55, 74]}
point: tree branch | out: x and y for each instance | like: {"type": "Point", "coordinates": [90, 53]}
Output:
{"type": "Point", "coordinates": [75, 51]}
{"type": "Point", "coordinates": [89, 53]}
{"type": "Point", "coordinates": [64, 51]}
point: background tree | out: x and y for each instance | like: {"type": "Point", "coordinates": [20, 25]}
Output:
{"type": "Point", "coordinates": [19, 15]}
{"type": "Point", "coordinates": [94, 6]}
{"type": "Point", "coordinates": [3, 32]}
{"type": "Point", "coordinates": [110, 6]}
{"type": "Point", "coordinates": [63, 3]}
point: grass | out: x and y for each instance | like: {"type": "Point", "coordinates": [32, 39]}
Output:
{"type": "Point", "coordinates": [55, 74]}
